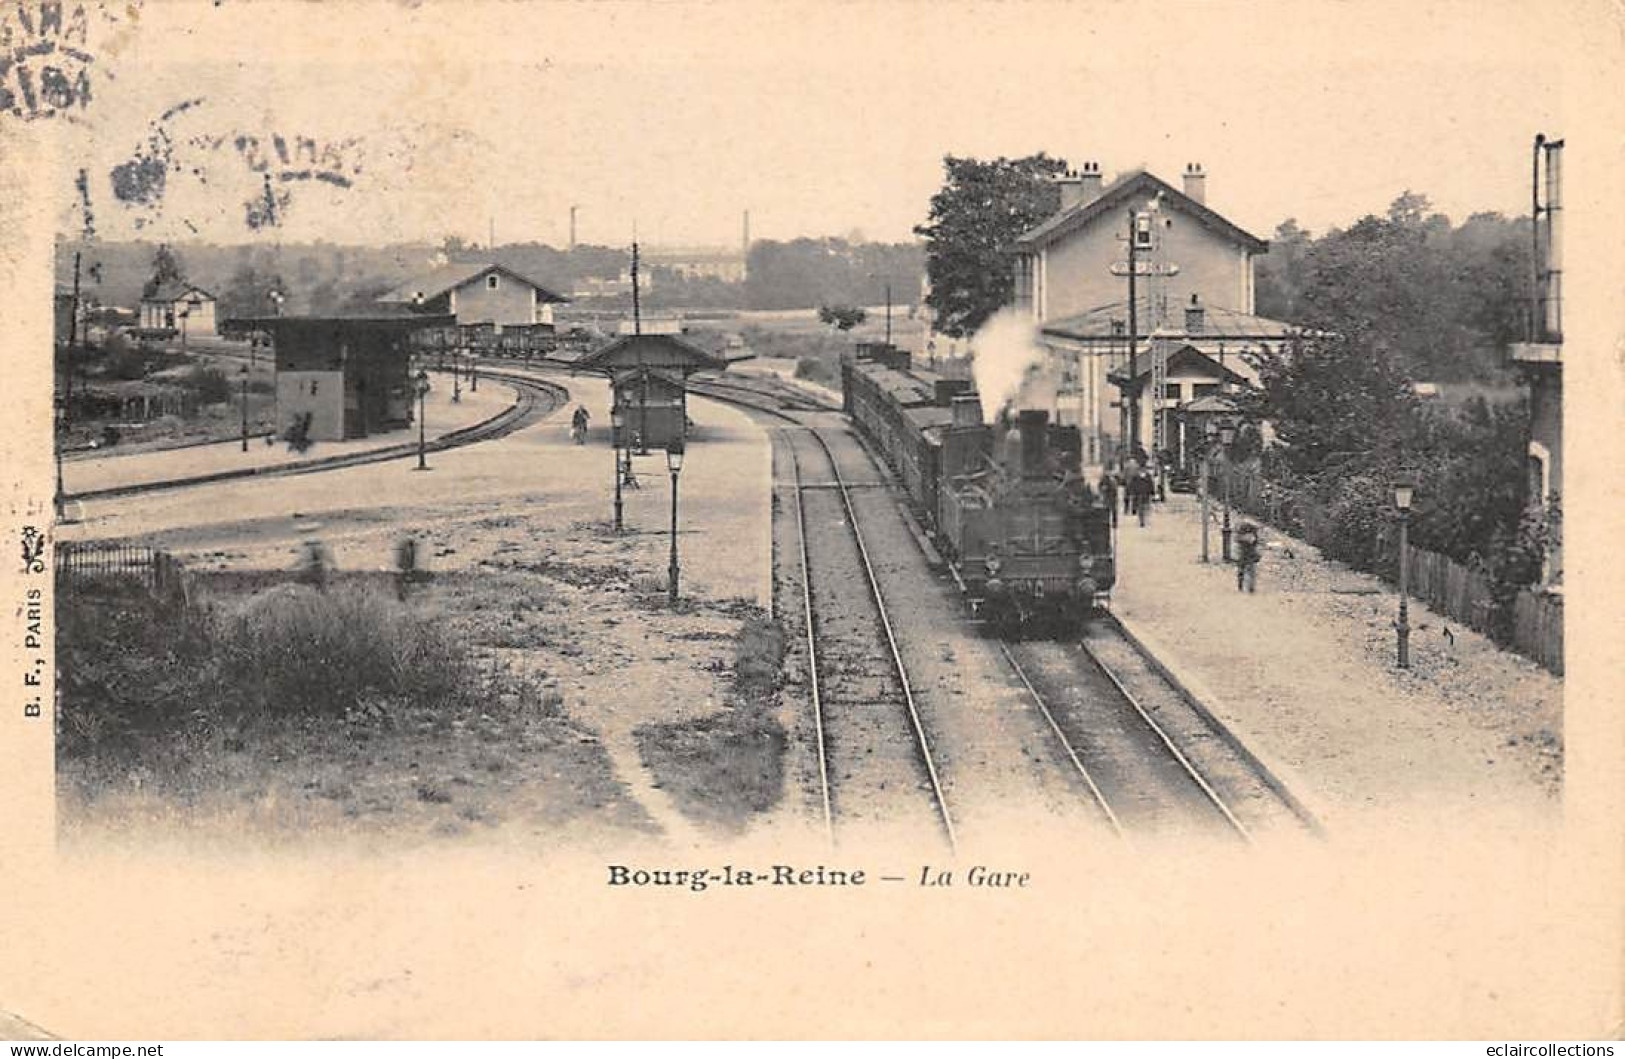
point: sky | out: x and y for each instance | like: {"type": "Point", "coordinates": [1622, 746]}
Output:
{"type": "Point", "coordinates": [431, 118]}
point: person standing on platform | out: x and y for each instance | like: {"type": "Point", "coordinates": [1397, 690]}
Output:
{"type": "Point", "coordinates": [1247, 556]}
{"type": "Point", "coordinates": [1108, 492]}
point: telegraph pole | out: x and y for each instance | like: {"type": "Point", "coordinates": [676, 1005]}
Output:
{"type": "Point", "coordinates": [1131, 435]}
{"type": "Point", "coordinates": [637, 313]}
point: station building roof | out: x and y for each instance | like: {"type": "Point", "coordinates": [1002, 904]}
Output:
{"type": "Point", "coordinates": [1135, 186]}
{"type": "Point", "coordinates": [650, 351]}
{"type": "Point", "coordinates": [1105, 323]}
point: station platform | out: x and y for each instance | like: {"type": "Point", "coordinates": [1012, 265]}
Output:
{"type": "Point", "coordinates": [1304, 673]}
{"type": "Point", "coordinates": [117, 471]}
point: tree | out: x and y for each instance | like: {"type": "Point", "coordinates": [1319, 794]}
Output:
{"type": "Point", "coordinates": [166, 266]}
{"type": "Point", "coordinates": [248, 293]}
{"type": "Point", "coordinates": [1334, 401]}
{"type": "Point", "coordinates": [1280, 274]}
{"type": "Point", "coordinates": [982, 208]}
{"type": "Point", "coordinates": [842, 317]}
{"type": "Point", "coordinates": [1445, 300]}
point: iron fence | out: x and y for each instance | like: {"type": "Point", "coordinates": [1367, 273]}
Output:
{"type": "Point", "coordinates": [91, 565]}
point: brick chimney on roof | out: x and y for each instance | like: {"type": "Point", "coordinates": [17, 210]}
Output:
{"type": "Point", "coordinates": [1195, 182]}
{"type": "Point", "coordinates": [1195, 316]}
{"type": "Point", "coordinates": [1079, 187]}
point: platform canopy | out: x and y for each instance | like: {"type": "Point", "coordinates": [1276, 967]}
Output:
{"type": "Point", "coordinates": [650, 352]}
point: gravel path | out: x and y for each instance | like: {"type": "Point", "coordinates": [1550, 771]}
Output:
{"type": "Point", "coordinates": [1304, 672]}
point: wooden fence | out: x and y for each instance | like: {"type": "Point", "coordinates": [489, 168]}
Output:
{"type": "Point", "coordinates": [1533, 629]}
{"type": "Point", "coordinates": [105, 564]}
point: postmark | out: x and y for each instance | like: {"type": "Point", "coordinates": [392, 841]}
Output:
{"type": "Point", "coordinates": [48, 53]}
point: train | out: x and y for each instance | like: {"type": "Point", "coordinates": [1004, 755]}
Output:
{"type": "Point", "coordinates": [1006, 503]}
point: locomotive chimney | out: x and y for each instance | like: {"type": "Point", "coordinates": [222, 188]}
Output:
{"type": "Point", "coordinates": [1034, 426]}
{"type": "Point", "coordinates": [967, 409]}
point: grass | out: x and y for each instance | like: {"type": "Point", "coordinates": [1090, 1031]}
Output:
{"type": "Point", "coordinates": [285, 710]}
{"type": "Point", "coordinates": [727, 768]}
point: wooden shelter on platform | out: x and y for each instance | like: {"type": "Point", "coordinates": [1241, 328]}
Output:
{"type": "Point", "coordinates": [649, 375]}
{"type": "Point", "coordinates": [343, 375]}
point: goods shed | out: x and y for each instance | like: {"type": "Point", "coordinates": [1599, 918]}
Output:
{"type": "Point", "coordinates": [343, 375]}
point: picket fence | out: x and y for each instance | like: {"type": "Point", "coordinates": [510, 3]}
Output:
{"type": "Point", "coordinates": [1447, 587]}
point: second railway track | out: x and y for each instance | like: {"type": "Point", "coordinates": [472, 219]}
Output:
{"type": "Point", "coordinates": [537, 398]}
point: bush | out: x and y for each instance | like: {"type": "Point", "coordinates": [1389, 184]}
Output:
{"type": "Point", "coordinates": [820, 370]}
{"type": "Point", "coordinates": [295, 650]}
{"type": "Point", "coordinates": [211, 384]}
{"type": "Point", "coordinates": [126, 363]}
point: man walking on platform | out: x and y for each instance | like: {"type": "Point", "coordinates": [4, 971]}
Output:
{"type": "Point", "coordinates": [1142, 489]}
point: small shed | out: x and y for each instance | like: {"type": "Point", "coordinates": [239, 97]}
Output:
{"type": "Point", "coordinates": [176, 305]}
{"type": "Point", "coordinates": [349, 373]}
{"type": "Point", "coordinates": [649, 376]}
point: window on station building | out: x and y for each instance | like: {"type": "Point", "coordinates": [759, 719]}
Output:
{"type": "Point", "coordinates": [491, 281]}
{"type": "Point", "coordinates": [1171, 391]}
{"type": "Point", "coordinates": [1205, 389]}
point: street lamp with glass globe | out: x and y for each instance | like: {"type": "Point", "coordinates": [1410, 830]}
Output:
{"type": "Point", "coordinates": [1404, 491]}
{"type": "Point", "coordinates": [674, 463]}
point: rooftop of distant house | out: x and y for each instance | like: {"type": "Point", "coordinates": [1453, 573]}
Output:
{"type": "Point", "coordinates": [448, 277]}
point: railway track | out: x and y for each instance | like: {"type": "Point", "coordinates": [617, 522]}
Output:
{"type": "Point", "coordinates": [861, 695]}
{"type": "Point", "coordinates": [870, 770]}
{"type": "Point", "coordinates": [1150, 756]}
{"type": "Point", "coordinates": [536, 399]}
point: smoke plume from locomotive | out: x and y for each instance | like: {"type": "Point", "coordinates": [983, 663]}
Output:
{"type": "Point", "coordinates": [1008, 365]}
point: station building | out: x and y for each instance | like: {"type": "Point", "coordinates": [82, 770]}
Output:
{"type": "Point", "coordinates": [1194, 279]}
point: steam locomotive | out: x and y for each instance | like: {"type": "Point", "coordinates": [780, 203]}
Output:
{"type": "Point", "coordinates": [1007, 504]}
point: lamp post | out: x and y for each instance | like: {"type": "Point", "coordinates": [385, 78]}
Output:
{"type": "Point", "coordinates": [423, 394]}
{"type": "Point", "coordinates": [244, 374]}
{"type": "Point", "coordinates": [1209, 433]}
{"type": "Point", "coordinates": [456, 378]}
{"type": "Point", "coordinates": [1404, 489]}
{"type": "Point", "coordinates": [617, 421]}
{"type": "Point", "coordinates": [674, 463]}
{"type": "Point", "coordinates": [1227, 434]}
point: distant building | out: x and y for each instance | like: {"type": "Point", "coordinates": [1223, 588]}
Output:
{"type": "Point", "coordinates": [477, 293]}
{"type": "Point", "coordinates": [178, 306]}
{"type": "Point", "coordinates": [1540, 359]}
{"type": "Point", "coordinates": [698, 262]}
{"type": "Point", "coordinates": [1194, 290]}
